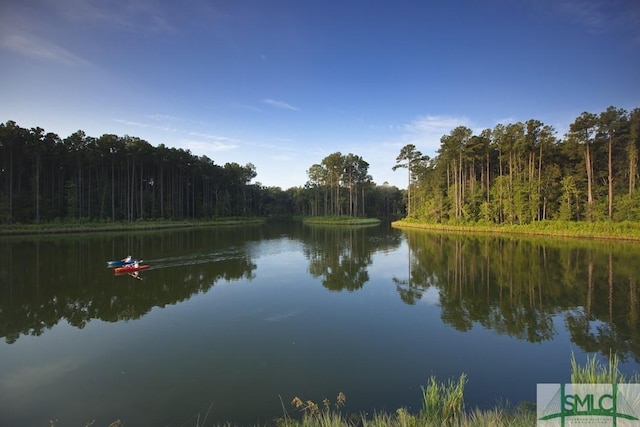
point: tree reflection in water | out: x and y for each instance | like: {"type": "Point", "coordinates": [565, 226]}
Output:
{"type": "Point", "coordinates": [72, 283]}
{"type": "Point", "coordinates": [517, 286]}
{"type": "Point", "coordinates": [341, 254]}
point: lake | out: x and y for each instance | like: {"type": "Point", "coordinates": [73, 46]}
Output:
{"type": "Point", "coordinates": [234, 322]}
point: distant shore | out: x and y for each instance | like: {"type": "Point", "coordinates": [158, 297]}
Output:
{"type": "Point", "coordinates": [626, 230]}
{"type": "Point", "coordinates": [341, 220]}
{"type": "Point", "coordinates": [97, 227]}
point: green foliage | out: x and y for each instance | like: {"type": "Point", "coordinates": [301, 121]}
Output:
{"type": "Point", "coordinates": [443, 402]}
{"type": "Point", "coordinates": [627, 208]}
{"type": "Point", "coordinates": [341, 220]}
{"type": "Point", "coordinates": [487, 213]}
{"type": "Point", "coordinates": [593, 372]}
{"type": "Point", "coordinates": [570, 200]}
{"type": "Point", "coordinates": [443, 405]}
{"type": "Point", "coordinates": [520, 173]}
{"type": "Point", "coordinates": [625, 230]}
{"type": "Point", "coordinates": [116, 178]}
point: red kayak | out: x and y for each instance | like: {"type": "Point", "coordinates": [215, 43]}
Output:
{"type": "Point", "coordinates": [131, 268]}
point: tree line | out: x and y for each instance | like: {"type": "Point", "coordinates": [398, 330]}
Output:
{"type": "Point", "coordinates": [44, 177]}
{"type": "Point", "coordinates": [341, 185]}
{"type": "Point", "coordinates": [518, 173]}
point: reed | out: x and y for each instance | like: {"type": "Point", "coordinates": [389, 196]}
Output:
{"type": "Point", "coordinates": [522, 416]}
{"type": "Point", "coordinates": [314, 415]}
{"type": "Point", "coordinates": [594, 372]}
{"type": "Point", "coordinates": [443, 402]}
{"type": "Point", "coordinates": [442, 405]}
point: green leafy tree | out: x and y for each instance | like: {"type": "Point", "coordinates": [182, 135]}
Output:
{"type": "Point", "coordinates": [334, 165]}
{"type": "Point", "coordinates": [582, 130]}
{"type": "Point", "coordinates": [609, 124]}
{"type": "Point", "coordinates": [452, 148]}
{"type": "Point", "coordinates": [318, 181]}
{"type": "Point", "coordinates": [632, 149]}
{"type": "Point", "coordinates": [409, 158]}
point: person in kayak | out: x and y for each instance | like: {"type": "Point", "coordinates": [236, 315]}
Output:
{"type": "Point", "coordinates": [128, 259]}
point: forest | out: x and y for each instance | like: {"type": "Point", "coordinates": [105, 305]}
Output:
{"type": "Point", "coordinates": [519, 173]}
{"type": "Point", "coordinates": [515, 173]}
{"type": "Point", "coordinates": [44, 178]}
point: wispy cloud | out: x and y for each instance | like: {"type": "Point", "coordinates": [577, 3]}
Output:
{"type": "Point", "coordinates": [585, 12]}
{"type": "Point", "coordinates": [164, 128]}
{"type": "Point", "coordinates": [198, 142]}
{"type": "Point", "coordinates": [438, 124]}
{"type": "Point", "coordinates": [599, 16]}
{"type": "Point", "coordinates": [279, 104]}
{"type": "Point", "coordinates": [425, 132]}
{"type": "Point", "coordinates": [506, 120]}
{"type": "Point", "coordinates": [142, 15]}
{"type": "Point", "coordinates": [211, 137]}
{"type": "Point", "coordinates": [161, 122]}
{"type": "Point", "coordinates": [163, 117]}
{"type": "Point", "coordinates": [38, 48]}
{"type": "Point", "coordinates": [132, 123]}
{"type": "Point", "coordinates": [207, 148]}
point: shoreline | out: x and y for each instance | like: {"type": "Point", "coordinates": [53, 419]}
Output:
{"type": "Point", "coordinates": [625, 231]}
{"type": "Point", "coordinates": [606, 231]}
{"type": "Point", "coordinates": [340, 220]}
{"type": "Point", "coordinates": [89, 227]}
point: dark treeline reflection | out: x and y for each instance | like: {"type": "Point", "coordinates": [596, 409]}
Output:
{"type": "Point", "coordinates": [45, 280]}
{"type": "Point", "coordinates": [517, 287]}
{"type": "Point", "coordinates": [340, 255]}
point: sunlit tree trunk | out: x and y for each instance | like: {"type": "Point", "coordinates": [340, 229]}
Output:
{"type": "Point", "coordinates": [610, 177]}
{"type": "Point", "coordinates": [589, 168]}
{"type": "Point", "coordinates": [633, 166]}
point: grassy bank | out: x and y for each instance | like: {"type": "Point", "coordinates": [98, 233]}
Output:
{"type": "Point", "coordinates": [625, 230]}
{"type": "Point", "coordinates": [443, 405]}
{"type": "Point", "coordinates": [341, 220]}
{"type": "Point", "coordinates": [142, 225]}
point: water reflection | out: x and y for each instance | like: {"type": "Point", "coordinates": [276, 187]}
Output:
{"type": "Point", "coordinates": [516, 286]}
{"type": "Point", "coordinates": [71, 282]}
{"type": "Point", "coordinates": [340, 255]}
{"type": "Point", "coordinates": [513, 286]}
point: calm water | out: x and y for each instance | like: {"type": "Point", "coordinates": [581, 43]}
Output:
{"type": "Point", "coordinates": [238, 321]}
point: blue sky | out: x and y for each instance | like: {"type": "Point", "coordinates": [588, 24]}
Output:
{"type": "Point", "coordinates": [284, 83]}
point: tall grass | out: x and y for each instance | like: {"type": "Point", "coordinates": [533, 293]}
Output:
{"type": "Point", "coordinates": [443, 404]}
{"type": "Point", "coordinates": [594, 372]}
{"type": "Point", "coordinates": [315, 415]}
